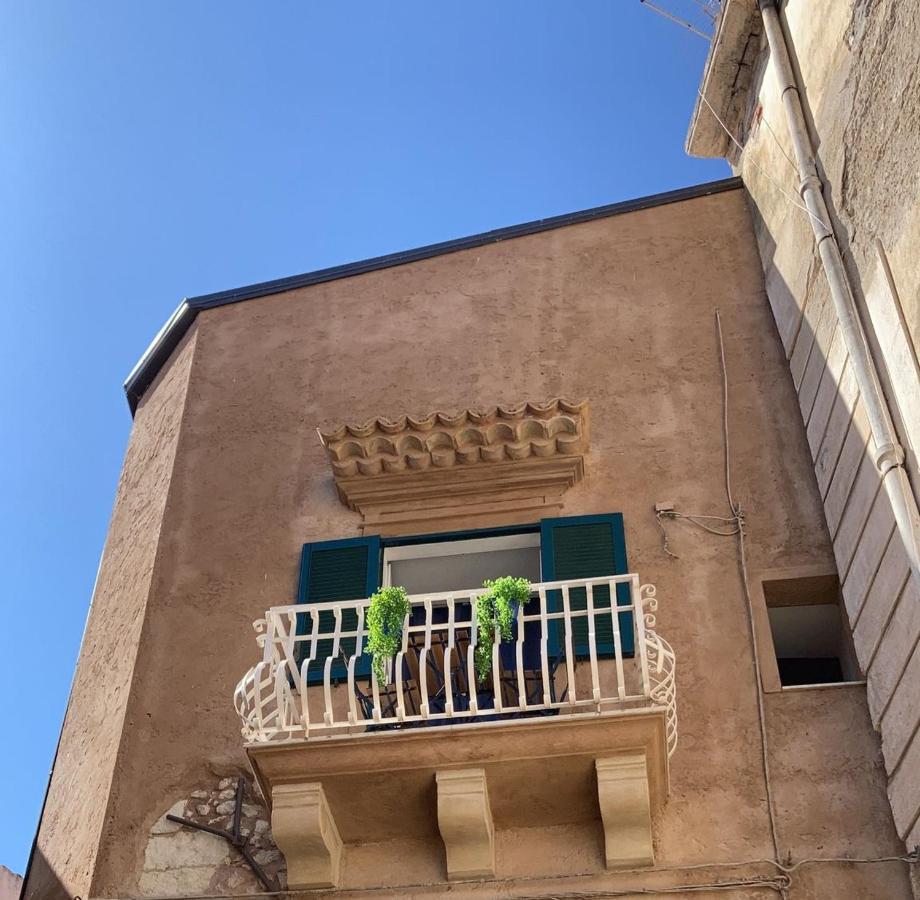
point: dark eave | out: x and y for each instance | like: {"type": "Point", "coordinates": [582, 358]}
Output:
{"type": "Point", "coordinates": [727, 76]}
{"type": "Point", "coordinates": [143, 374]}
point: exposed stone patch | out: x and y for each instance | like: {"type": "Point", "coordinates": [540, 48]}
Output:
{"type": "Point", "coordinates": [181, 860]}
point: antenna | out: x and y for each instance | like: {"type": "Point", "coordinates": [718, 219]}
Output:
{"type": "Point", "coordinates": [710, 7]}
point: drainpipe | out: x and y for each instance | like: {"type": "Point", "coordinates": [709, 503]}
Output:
{"type": "Point", "coordinates": [889, 454]}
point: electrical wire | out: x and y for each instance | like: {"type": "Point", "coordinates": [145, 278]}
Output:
{"type": "Point", "coordinates": [709, 7]}
{"type": "Point", "coordinates": [664, 536]}
{"type": "Point", "coordinates": [737, 520]}
{"type": "Point", "coordinates": [695, 519]}
{"type": "Point", "coordinates": [913, 857]}
{"type": "Point", "coordinates": [749, 606]}
{"type": "Point", "coordinates": [759, 167]}
{"type": "Point", "coordinates": [736, 510]}
{"type": "Point", "coordinates": [778, 143]}
{"type": "Point", "coordinates": [682, 22]}
{"type": "Point", "coordinates": [758, 682]}
{"type": "Point", "coordinates": [780, 883]}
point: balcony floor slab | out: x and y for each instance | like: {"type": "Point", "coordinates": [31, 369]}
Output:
{"type": "Point", "coordinates": [540, 771]}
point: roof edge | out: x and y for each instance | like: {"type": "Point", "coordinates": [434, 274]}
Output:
{"type": "Point", "coordinates": [168, 337]}
{"type": "Point", "coordinates": [154, 357]}
{"type": "Point", "coordinates": [725, 80]}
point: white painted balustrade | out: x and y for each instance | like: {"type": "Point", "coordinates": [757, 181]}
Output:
{"type": "Point", "coordinates": [314, 678]}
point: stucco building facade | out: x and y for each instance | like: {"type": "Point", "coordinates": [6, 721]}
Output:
{"type": "Point", "coordinates": [823, 98]}
{"type": "Point", "coordinates": [10, 884]}
{"type": "Point", "coordinates": [557, 401]}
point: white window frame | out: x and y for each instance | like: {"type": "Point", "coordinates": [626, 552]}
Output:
{"type": "Point", "coordinates": [458, 547]}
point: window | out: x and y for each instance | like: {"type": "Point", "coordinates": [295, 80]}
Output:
{"type": "Point", "coordinates": [554, 549]}
{"type": "Point", "coordinates": [462, 564]}
{"type": "Point", "coordinates": [347, 569]}
{"type": "Point", "coordinates": [810, 640]}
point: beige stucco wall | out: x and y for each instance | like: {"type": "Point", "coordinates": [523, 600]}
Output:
{"type": "Point", "coordinates": [10, 884]}
{"type": "Point", "coordinates": [66, 855]}
{"type": "Point", "coordinates": [619, 310]}
{"type": "Point", "coordinates": [859, 66]}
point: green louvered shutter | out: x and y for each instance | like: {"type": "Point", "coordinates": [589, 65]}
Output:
{"type": "Point", "coordinates": [587, 547]}
{"type": "Point", "coordinates": [347, 569]}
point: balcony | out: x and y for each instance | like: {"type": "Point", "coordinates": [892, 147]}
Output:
{"type": "Point", "coordinates": [583, 694]}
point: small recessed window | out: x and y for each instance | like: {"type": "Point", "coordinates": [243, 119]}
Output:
{"type": "Point", "coordinates": [810, 639]}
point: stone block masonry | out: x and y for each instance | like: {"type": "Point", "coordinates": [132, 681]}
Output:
{"type": "Point", "coordinates": [180, 861]}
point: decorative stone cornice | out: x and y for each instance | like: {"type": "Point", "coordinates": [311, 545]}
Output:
{"type": "Point", "coordinates": [441, 439]}
{"type": "Point", "coordinates": [505, 460]}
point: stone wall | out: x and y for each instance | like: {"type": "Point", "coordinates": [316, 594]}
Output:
{"type": "Point", "coordinates": [859, 64]}
{"type": "Point", "coordinates": [180, 860]}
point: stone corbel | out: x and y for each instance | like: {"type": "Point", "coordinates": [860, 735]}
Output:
{"type": "Point", "coordinates": [465, 822]}
{"type": "Point", "coordinates": [306, 834]}
{"type": "Point", "coordinates": [623, 794]}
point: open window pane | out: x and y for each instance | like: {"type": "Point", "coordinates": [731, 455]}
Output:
{"type": "Point", "coordinates": [462, 564]}
{"type": "Point", "coordinates": [807, 643]}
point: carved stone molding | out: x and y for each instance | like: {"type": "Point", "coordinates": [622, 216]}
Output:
{"type": "Point", "coordinates": [506, 463]}
{"type": "Point", "coordinates": [623, 795]}
{"type": "Point", "coordinates": [465, 823]}
{"type": "Point", "coordinates": [307, 835]}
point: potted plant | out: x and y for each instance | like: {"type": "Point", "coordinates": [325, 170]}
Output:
{"type": "Point", "coordinates": [497, 607]}
{"type": "Point", "coordinates": [386, 615]}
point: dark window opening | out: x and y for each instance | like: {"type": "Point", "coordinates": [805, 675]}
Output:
{"type": "Point", "coordinates": [810, 637]}
{"type": "Point", "coordinates": [797, 670]}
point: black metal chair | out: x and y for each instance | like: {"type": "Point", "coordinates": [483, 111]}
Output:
{"type": "Point", "coordinates": [389, 700]}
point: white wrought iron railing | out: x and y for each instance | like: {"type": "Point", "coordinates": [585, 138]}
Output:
{"type": "Point", "coordinates": [314, 678]}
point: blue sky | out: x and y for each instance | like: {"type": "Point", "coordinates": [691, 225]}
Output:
{"type": "Point", "coordinates": [160, 150]}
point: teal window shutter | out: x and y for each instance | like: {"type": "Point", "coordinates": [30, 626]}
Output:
{"type": "Point", "coordinates": [347, 569]}
{"type": "Point", "coordinates": [587, 547]}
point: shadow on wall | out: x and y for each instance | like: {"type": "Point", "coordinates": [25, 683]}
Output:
{"type": "Point", "coordinates": [43, 882]}
{"type": "Point", "coordinates": [854, 235]}
{"type": "Point", "coordinates": [828, 422]}
{"type": "Point", "coordinates": [836, 429]}
{"type": "Point", "coordinates": [10, 884]}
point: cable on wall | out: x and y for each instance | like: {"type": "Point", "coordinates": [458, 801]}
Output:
{"type": "Point", "coordinates": [780, 883]}
{"type": "Point", "coordinates": [736, 519]}
{"type": "Point", "coordinates": [733, 525]}
{"type": "Point", "coordinates": [758, 166]}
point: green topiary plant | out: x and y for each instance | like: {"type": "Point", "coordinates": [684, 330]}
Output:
{"type": "Point", "coordinates": [385, 617]}
{"type": "Point", "coordinates": [496, 606]}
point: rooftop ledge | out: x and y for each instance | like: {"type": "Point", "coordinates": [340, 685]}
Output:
{"type": "Point", "coordinates": [574, 724]}
{"type": "Point", "coordinates": [726, 79]}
